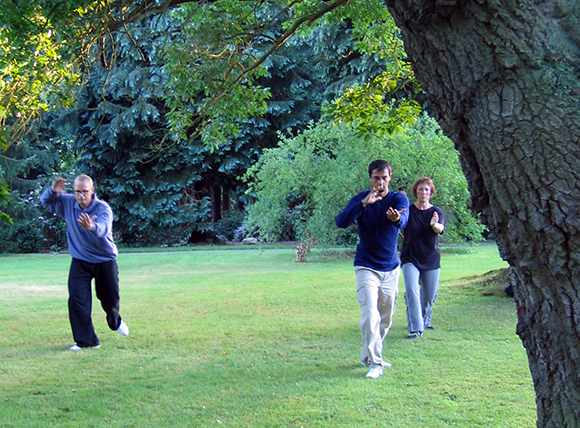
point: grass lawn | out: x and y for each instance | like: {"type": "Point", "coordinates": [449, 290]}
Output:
{"type": "Point", "coordinates": [248, 338]}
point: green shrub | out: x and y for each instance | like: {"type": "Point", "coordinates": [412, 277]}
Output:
{"type": "Point", "coordinates": [227, 226]}
{"type": "Point", "coordinates": [34, 228]}
{"type": "Point", "coordinates": [301, 186]}
{"type": "Point", "coordinates": [25, 237]}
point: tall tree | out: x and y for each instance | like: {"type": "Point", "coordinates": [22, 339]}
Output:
{"type": "Point", "coordinates": [38, 69]}
{"type": "Point", "coordinates": [502, 80]}
{"type": "Point", "coordinates": [78, 32]}
{"type": "Point", "coordinates": [122, 127]}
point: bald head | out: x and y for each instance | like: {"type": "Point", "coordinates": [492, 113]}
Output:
{"type": "Point", "coordinates": [84, 178]}
{"type": "Point", "coordinates": [83, 190]}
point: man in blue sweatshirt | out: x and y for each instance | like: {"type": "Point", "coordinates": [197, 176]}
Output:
{"type": "Point", "coordinates": [94, 255]}
{"type": "Point", "coordinates": [380, 215]}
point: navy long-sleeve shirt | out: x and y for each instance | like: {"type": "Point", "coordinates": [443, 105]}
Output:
{"type": "Point", "coordinates": [96, 246]}
{"type": "Point", "coordinates": [378, 235]}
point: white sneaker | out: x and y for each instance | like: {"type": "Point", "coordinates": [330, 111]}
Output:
{"type": "Point", "coordinates": [123, 329]}
{"type": "Point", "coordinates": [76, 348]}
{"type": "Point", "coordinates": [374, 373]}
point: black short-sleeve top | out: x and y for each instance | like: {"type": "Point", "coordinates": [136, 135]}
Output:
{"type": "Point", "coordinates": [420, 242]}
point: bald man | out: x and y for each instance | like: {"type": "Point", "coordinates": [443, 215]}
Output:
{"type": "Point", "coordinates": [94, 255]}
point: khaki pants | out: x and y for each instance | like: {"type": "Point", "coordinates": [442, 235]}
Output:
{"type": "Point", "coordinates": [376, 293]}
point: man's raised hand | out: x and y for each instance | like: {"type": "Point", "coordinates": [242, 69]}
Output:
{"type": "Point", "coordinates": [372, 197]}
{"type": "Point", "coordinates": [58, 185]}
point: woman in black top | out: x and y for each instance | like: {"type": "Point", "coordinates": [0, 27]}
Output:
{"type": "Point", "coordinates": [420, 257]}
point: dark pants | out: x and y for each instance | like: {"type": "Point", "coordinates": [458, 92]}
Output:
{"type": "Point", "coordinates": [106, 277]}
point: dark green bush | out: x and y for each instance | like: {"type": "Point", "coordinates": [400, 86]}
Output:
{"type": "Point", "coordinates": [227, 226]}
{"type": "Point", "coordinates": [24, 237]}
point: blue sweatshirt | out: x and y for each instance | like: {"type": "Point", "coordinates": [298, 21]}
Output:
{"type": "Point", "coordinates": [378, 235]}
{"type": "Point", "coordinates": [96, 246]}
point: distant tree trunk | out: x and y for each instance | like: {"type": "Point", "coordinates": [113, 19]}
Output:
{"type": "Point", "coordinates": [226, 200]}
{"type": "Point", "coordinates": [240, 206]}
{"type": "Point", "coordinates": [502, 79]}
{"type": "Point", "coordinates": [216, 202]}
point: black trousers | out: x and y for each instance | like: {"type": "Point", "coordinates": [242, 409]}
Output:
{"type": "Point", "coordinates": [106, 277]}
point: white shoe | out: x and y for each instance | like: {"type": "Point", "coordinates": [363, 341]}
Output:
{"type": "Point", "coordinates": [123, 329]}
{"type": "Point", "coordinates": [374, 373]}
{"type": "Point", "coordinates": [76, 348]}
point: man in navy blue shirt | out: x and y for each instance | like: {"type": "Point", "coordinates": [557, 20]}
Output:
{"type": "Point", "coordinates": [94, 255]}
{"type": "Point", "coordinates": [380, 215]}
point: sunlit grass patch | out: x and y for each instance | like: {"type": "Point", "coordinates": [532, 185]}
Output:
{"type": "Point", "coordinates": [252, 339]}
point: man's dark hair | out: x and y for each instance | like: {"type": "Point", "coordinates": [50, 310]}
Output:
{"type": "Point", "coordinates": [380, 165]}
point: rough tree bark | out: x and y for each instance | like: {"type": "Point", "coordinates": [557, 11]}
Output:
{"type": "Point", "coordinates": [502, 79]}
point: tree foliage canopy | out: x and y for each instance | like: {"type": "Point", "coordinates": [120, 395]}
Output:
{"type": "Point", "coordinates": [39, 61]}
{"type": "Point", "coordinates": [214, 63]}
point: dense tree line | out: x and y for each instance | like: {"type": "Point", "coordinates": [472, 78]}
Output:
{"type": "Point", "coordinates": [169, 190]}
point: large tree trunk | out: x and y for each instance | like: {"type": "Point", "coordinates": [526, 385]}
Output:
{"type": "Point", "coordinates": [502, 79]}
